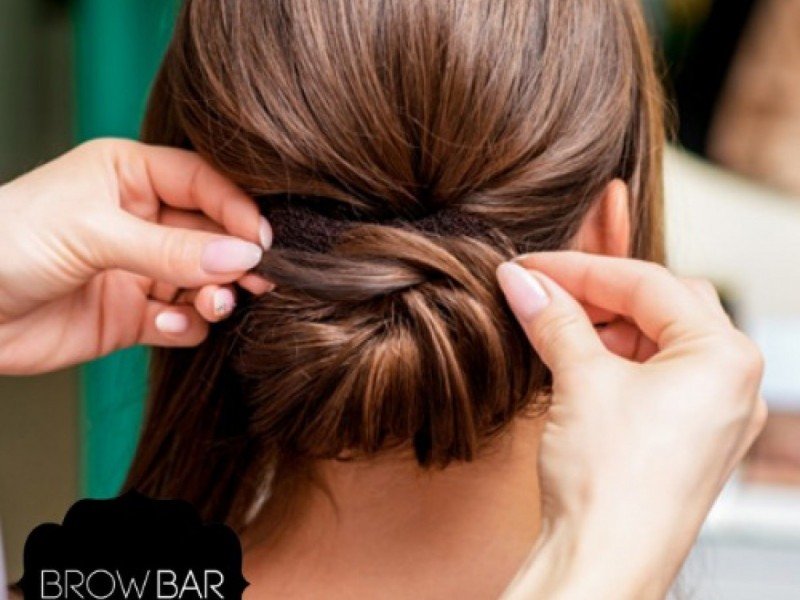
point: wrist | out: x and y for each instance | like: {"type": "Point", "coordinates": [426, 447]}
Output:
{"type": "Point", "coordinates": [587, 557]}
{"type": "Point", "coordinates": [550, 567]}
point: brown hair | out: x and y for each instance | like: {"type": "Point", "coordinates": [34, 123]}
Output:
{"type": "Point", "coordinates": [518, 111]}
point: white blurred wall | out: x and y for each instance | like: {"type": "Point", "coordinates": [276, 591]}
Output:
{"type": "Point", "coordinates": [743, 236]}
{"type": "Point", "coordinates": [746, 239]}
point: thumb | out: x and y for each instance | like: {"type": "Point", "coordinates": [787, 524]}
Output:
{"type": "Point", "coordinates": [182, 257]}
{"type": "Point", "coordinates": [556, 325]}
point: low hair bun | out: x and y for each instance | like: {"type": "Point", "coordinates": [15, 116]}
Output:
{"type": "Point", "coordinates": [430, 141]}
{"type": "Point", "coordinates": [394, 336]}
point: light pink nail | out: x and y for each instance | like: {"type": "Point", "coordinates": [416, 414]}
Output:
{"type": "Point", "coordinates": [172, 322]}
{"type": "Point", "coordinates": [265, 234]}
{"type": "Point", "coordinates": [224, 302]}
{"type": "Point", "coordinates": [524, 293]}
{"type": "Point", "coordinates": [229, 255]}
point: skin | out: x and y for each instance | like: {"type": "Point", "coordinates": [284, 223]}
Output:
{"type": "Point", "coordinates": [103, 240]}
{"type": "Point", "coordinates": [666, 425]}
{"type": "Point", "coordinates": [463, 532]}
{"type": "Point", "coordinates": [655, 398]}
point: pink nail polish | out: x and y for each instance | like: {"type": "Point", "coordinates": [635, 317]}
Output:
{"type": "Point", "coordinates": [265, 234]}
{"type": "Point", "coordinates": [172, 322]}
{"type": "Point", "coordinates": [524, 293]}
{"type": "Point", "coordinates": [230, 255]}
{"type": "Point", "coordinates": [223, 302]}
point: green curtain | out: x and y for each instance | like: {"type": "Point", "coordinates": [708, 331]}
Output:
{"type": "Point", "coordinates": [118, 46]}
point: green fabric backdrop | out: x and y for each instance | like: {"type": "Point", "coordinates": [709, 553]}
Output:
{"type": "Point", "coordinates": [118, 46]}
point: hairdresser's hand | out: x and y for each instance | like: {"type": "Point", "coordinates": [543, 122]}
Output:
{"type": "Point", "coordinates": [649, 418]}
{"type": "Point", "coordinates": [115, 244]}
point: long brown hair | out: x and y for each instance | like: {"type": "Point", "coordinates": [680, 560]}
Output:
{"type": "Point", "coordinates": [519, 111]}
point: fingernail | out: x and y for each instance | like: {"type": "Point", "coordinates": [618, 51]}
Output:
{"type": "Point", "coordinates": [172, 322]}
{"type": "Point", "coordinates": [524, 293]}
{"type": "Point", "coordinates": [265, 234]}
{"type": "Point", "coordinates": [229, 255]}
{"type": "Point", "coordinates": [223, 302]}
{"type": "Point", "coordinates": [521, 257]}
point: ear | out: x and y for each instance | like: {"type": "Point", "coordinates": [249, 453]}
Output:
{"type": "Point", "coordinates": [607, 226]}
{"type": "Point", "coordinates": [606, 229]}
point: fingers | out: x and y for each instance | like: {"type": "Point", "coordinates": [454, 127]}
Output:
{"type": "Point", "coordinates": [182, 179]}
{"type": "Point", "coordinates": [255, 284]}
{"type": "Point", "coordinates": [183, 321]}
{"type": "Point", "coordinates": [172, 326]}
{"type": "Point", "coordinates": [663, 307]}
{"type": "Point", "coordinates": [626, 340]}
{"type": "Point", "coordinates": [178, 189]}
{"type": "Point", "coordinates": [556, 325]}
{"type": "Point", "coordinates": [212, 302]}
{"type": "Point", "coordinates": [189, 220]}
{"type": "Point", "coordinates": [182, 257]}
{"type": "Point", "coordinates": [706, 291]}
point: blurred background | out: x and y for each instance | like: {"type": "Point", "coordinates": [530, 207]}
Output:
{"type": "Point", "coordinates": [71, 70]}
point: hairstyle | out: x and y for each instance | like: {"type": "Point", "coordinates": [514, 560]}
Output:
{"type": "Point", "coordinates": [519, 112]}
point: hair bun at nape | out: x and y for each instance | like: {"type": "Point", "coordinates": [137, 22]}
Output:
{"type": "Point", "coordinates": [403, 336]}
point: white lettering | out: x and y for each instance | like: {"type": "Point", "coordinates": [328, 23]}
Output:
{"type": "Point", "coordinates": [133, 585]}
{"type": "Point", "coordinates": [90, 589]}
{"type": "Point", "coordinates": [162, 574]}
{"type": "Point", "coordinates": [47, 581]}
{"type": "Point", "coordinates": [101, 584]}
{"type": "Point", "coordinates": [190, 584]}
{"type": "Point", "coordinates": [72, 588]}
{"type": "Point", "coordinates": [213, 587]}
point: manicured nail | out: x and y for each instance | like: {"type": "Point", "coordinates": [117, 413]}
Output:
{"type": "Point", "coordinates": [265, 234]}
{"type": "Point", "coordinates": [519, 258]}
{"type": "Point", "coordinates": [525, 295]}
{"type": "Point", "coordinates": [223, 302]}
{"type": "Point", "coordinates": [172, 322]}
{"type": "Point", "coordinates": [229, 255]}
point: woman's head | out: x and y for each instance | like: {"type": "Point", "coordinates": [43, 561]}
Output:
{"type": "Point", "coordinates": [523, 115]}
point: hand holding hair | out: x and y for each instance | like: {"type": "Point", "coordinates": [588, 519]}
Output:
{"type": "Point", "coordinates": [117, 243]}
{"type": "Point", "coordinates": [649, 419]}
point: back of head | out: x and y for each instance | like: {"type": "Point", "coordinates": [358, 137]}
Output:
{"type": "Point", "coordinates": [514, 114]}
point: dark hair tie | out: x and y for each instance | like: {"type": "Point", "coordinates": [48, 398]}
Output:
{"type": "Point", "coordinates": [300, 225]}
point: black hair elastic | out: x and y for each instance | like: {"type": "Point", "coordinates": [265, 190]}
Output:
{"type": "Point", "coordinates": [299, 225]}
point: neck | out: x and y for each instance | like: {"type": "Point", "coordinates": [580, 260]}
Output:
{"type": "Point", "coordinates": [385, 527]}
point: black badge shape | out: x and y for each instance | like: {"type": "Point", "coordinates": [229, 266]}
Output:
{"type": "Point", "coordinates": [132, 547]}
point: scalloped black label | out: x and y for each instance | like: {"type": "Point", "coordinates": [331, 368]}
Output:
{"type": "Point", "coordinates": [132, 547]}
